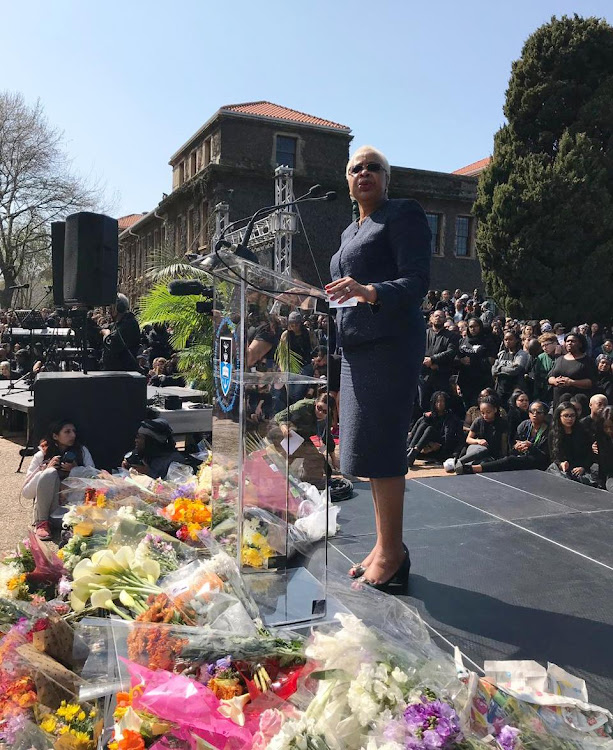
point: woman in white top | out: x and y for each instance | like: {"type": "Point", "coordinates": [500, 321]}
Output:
{"type": "Point", "coordinates": [60, 452]}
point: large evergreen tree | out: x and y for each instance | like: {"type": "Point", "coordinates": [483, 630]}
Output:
{"type": "Point", "coordinates": [545, 202]}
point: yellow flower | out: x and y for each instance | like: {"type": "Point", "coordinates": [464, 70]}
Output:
{"type": "Point", "coordinates": [48, 724]}
{"type": "Point", "coordinates": [16, 581]}
{"type": "Point", "coordinates": [63, 730]}
{"type": "Point", "coordinates": [93, 713]}
{"type": "Point", "coordinates": [60, 554]}
{"type": "Point", "coordinates": [119, 712]}
{"type": "Point", "coordinates": [252, 557]}
{"type": "Point", "coordinates": [81, 716]}
{"type": "Point", "coordinates": [100, 500]}
{"type": "Point", "coordinates": [81, 736]}
{"type": "Point", "coordinates": [68, 711]}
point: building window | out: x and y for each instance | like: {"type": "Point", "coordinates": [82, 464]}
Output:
{"type": "Point", "coordinates": [434, 221]}
{"type": "Point", "coordinates": [207, 152]}
{"type": "Point", "coordinates": [194, 166]}
{"type": "Point", "coordinates": [462, 235]}
{"type": "Point", "coordinates": [286, 151]}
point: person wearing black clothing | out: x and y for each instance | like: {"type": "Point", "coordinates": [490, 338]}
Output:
{"type": "Point", "coordinates": [154, 449]}
{"type": "Point", "coordinates": [437, 366]}
{"type": "Point", "coordinates": [122, 340]}
{"type": "Point", "coordinates": [446, 304]}
{"type": "Point", "coordinates": [530, 448]}
{"type": "Point", "coordinates": [604, 442]}
{"type": "Point", "coordinates": [438, 433]}
{"type": "Point", "coordinates": [604, 381]}
{"type": "Point", "coordinates": [297, 337]}
{"type": "Point", "coordinates": [158, 340]}
{"type": "Point", "coordinates": [569, 446]}
{"type": "Point", "coordinates": [517, 412]}
{"type": "Point", "coordinates": [510, 367]}
{"type": "Point", "coordinates": [590, 424]}
{"type": "Point", "coordinates": [475, 361]}
{"type": "Point", "coordinates": [573, 372]}
{"type": "Point", "coordinates": [487, 438]}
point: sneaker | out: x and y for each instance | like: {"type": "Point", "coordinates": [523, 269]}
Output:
{"type": "Point", "coordinates": [43, 531]}
{"type": "Point", "coordinates": [449, 465]}
{"type": "Point", "coordinates": [459, 467]}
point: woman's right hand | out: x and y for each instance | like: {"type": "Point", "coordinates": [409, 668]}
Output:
{"type": "Point", "coordinates": [482, 442]}
{"type": "Point", "coordinates": [54, 463]}
{"type": "Point", "coordinates": [564, 466]}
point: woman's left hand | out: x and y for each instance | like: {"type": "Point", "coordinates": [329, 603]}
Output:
{"type": "Point", "coordinates": [347, 288]}
{"type": "Point", "coordinates": [68, 467]}
{"type": "Point", "coordinates": [578, 471]}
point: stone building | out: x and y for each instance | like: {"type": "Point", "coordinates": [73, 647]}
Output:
{"type": "Point", "coordinates": [232, 159]}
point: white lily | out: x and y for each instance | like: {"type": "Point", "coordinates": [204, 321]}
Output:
{"type": "Point", "coordinates": [105, 562]}
{"type": "Point", "coordinates": [126, 599]}
{"type": "Point", "coordinates": [149, 569]}
{"type": "Point", "coordinates": [234, 708]}
{"type": "Point", "coordinates": [103, 598]}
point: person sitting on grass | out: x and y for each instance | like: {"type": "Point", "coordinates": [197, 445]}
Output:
{"type": "Point", "coordinates": [487, 437]}
{"type": "Point", "coordinates": [438, 433]}
{"type": "Point", "coordinates": [60, 453]}
{"type": "Point", "coordinates": [569, 446]}
{"type": "Point", "coordinates": [154, 449]}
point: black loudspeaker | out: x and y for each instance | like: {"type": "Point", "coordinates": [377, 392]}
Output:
{"type": "Point", "coordinates": [58, 232]}
{"type": "Point", "coordinates": [91, 257]}
{"type": "Point", "coordinates": [106, 408]}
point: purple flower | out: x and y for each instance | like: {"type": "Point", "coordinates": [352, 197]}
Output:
{"type": "Point", "coordinates": [224, 663]}
{"type": "Point", "coordinates": [14, 727]}
{"type": "Point", "coordinates": [433, 724]}
{"type": "Point", "coordinates": [506, 737]}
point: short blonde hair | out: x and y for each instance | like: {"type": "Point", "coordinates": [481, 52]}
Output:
{"type": "Point", "coordinates": [371, 150]}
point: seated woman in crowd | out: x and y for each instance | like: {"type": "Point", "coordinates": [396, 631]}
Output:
{"type": "Point", "coordinates": [517, 412]}
{"type": "Point", "coordinates": [581, 404]}
{"type": "Point", "coordinates": [60, 452]}
{"type": "Point", "coordinates": [530, 449]}
{"type": "Point", "coordinates": [487, 438]}
{"type": "Point", "coordinates": [573, 372]}
{"type": "Point", "coordinates": [569, 446]}
{"type": "Point", "coordinates": [438, 433]}
{"type": "Point", "coordinates": [154, 449]}
{"type": "Point", "coordinates": [475, 361]}
{"type": "Point", "coordinates": [473, 412]}
{"type": "Point", "coordinates": [604, 447]}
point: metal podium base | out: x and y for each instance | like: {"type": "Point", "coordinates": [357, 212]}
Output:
{"type": "Point", "coordinates": [286, 597]}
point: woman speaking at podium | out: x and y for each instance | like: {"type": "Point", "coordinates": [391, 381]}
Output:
{"type": "Point", "coordinates": [383, 264]}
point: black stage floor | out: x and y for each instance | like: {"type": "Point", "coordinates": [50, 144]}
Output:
{"type": "Point", "coordinates": [517, 565]}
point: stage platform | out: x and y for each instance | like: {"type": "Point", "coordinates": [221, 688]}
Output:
{"type": "Point", "coordinates": [513, 565]}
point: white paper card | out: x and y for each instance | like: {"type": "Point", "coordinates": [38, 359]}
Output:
{"type": "Point", "coordinates": [351, 302]}
{"type": "Point", "coordinates": [292, 442]}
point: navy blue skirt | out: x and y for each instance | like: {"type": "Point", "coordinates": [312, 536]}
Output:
{"type": "Point", "coordinates": [378, 386]}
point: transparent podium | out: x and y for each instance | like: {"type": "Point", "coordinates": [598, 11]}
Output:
{"type": "Point", "coordinates": [270, 437]}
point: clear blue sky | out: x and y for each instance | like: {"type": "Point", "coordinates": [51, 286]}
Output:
{"type": "Point", "coordinates": [130, 81]}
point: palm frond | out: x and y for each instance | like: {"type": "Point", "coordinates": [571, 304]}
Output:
{"type": "Point", "coordinates": [195, 362]}
{"type": "Point", "coordinates": [287, 359]}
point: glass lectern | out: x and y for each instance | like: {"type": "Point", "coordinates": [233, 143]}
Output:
{"type": "Point", "coordinates": [271, 436]}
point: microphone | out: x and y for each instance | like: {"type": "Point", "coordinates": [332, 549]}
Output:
{"type": "Point", "coordinates": [20, 286]}
{"type": "Point", "coordinates": [185, 287]}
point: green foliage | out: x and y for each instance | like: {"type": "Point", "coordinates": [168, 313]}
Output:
{"type": "Point", "coordinates": [192, 332]}
{"type": "Point", "coordinates": [545, 202]}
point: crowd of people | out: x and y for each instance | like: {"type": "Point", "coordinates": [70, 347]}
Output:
{"type": "Point", "coordinates": [499, 394]}
{"type": "Point", "coordinates": [114, 341]}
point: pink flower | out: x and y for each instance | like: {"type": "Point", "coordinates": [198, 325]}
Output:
{"type": "Point", "coordinates": [271, 722]}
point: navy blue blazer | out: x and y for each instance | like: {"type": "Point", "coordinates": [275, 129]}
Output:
{"type": "Point", "coordinates": [391, 251]}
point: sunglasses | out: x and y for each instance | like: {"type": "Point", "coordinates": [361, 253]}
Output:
{"type": "Point", "coordinates": [536, 411]}
{"type": "Point", "coordinates": [372, 166]}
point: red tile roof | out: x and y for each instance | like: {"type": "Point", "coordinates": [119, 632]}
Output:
{"type": "Point", "coordinates": [127, 221]}
{"type": "Point", "coordinates": [277, 112]}
{"type": "Point", "coordinates": [472, 170]}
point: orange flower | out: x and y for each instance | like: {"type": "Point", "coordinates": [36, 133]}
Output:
{"type": "Point", "coordinates": [131, 741]}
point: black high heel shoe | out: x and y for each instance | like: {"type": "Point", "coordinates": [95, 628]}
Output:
{"type": "Point", "coordinates": [398, 583]}
{"type": "Point", "coordinates": [357, 570]}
